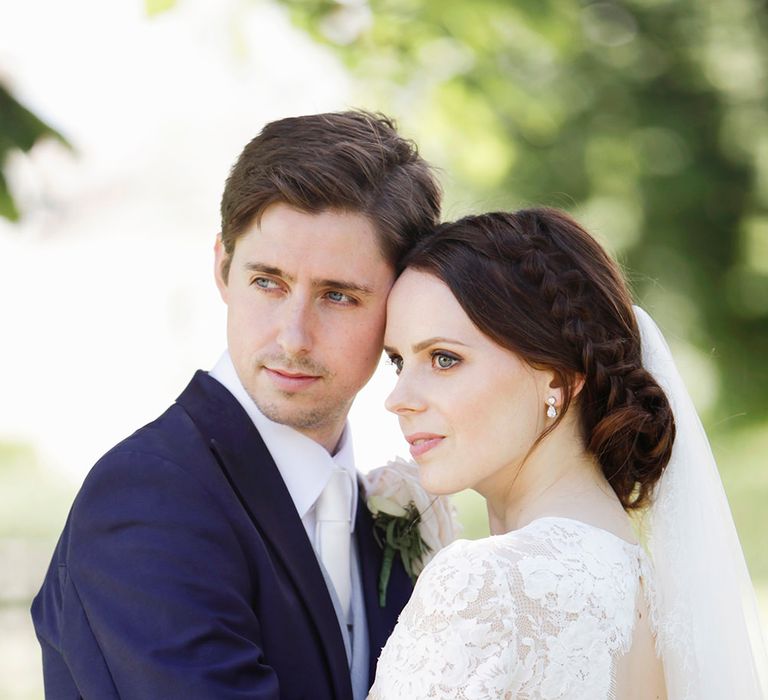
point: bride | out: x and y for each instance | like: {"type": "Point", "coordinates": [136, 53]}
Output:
{"type": "Point", "coordinates": [526, 374]}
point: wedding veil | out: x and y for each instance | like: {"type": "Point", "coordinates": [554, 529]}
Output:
{"type": "Point", "coordinates": [709, 633]}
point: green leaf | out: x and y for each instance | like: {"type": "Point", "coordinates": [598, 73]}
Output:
{"type": "Point", "coordinates": [379, 504]}
{"type": "Point", "coordinates": [7, 206]}
{"type": "Point", "coordinates": [386, 570]}
{"type": "Point", "coordinates": [19, 130]}
{"type": "Point", "coordinates": [406, 557]}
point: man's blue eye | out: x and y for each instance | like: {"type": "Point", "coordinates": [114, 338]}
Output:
{"type": "Point", "coordinates": [265, 283]}
{"type": "Point", "coordinates": [338, 296]}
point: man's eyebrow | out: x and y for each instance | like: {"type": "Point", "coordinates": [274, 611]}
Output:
{"type": "Point", "coordinates": [343, 285]}
{"type": "Point", "coordinates": [424, 344]}
{"type": "Point", "coordinates": [267, 269]}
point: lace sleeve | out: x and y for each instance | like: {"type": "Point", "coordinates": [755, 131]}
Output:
{"type": "Point", "coordinates": [456, 637]}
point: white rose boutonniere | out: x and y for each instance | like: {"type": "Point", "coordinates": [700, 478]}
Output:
{"type": "Point", "coordinates": [407, 519]}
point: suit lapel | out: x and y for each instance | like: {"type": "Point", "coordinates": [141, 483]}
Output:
{"type": "Point", "coordinates": [381, 621]}
{"type": "Point", "coordinates": [254, 477]}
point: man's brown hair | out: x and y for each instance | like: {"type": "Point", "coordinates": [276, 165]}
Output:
{"type": "Point", "coordinates": [351, 161]}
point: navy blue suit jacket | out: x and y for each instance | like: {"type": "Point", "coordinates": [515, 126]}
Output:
{"type": "Point", "coordinates": [184, 571]}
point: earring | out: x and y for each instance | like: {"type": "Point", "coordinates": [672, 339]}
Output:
{"type": "Point", "coordinates": [551, 410]}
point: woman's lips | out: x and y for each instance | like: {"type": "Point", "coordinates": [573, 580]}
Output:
{"type": "Point", "coordinates": [290, 381]}
{"type": "Point", "coordinates": [422, 443]}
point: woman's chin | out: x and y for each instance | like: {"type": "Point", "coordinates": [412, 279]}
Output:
{"type": "Point", "coordinates": [435, 481]}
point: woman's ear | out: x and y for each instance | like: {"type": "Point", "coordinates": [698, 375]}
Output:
{"type": "Point", "coordinates": [557, 385]}
{"type": "Point", "coordinates": [555, 390]}
{"type": "Point", "coordinates": [577, 384]}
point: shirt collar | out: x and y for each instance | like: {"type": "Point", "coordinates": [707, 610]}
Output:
{"type": "Point", "coordinates": [304, 464]}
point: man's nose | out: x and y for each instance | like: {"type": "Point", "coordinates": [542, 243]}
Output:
{"type": "Point", "coordinates": [295, 334]}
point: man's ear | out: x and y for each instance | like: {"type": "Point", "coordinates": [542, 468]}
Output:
{"type": "Point", "coordinates": [221, 268]}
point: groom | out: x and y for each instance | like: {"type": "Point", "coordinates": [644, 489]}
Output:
{"type": "Point", "coordinates": [224, 550]}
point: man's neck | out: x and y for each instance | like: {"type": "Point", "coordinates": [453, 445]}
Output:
{"type": "Point", "coordinates": [328, 437]}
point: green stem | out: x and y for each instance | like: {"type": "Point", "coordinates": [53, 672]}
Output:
{"type": "Point", "coordinates": [386, 570]}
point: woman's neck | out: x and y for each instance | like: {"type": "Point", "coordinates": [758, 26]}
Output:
{"type": "Point", "coordinates": [555, 480]}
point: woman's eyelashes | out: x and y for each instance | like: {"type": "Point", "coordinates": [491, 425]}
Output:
{"type": "Point", "coordinates": [439, 359]}
{"type": "Point", "coordinates": [396, 361]}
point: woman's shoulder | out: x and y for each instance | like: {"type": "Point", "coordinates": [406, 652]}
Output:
{"type": "Point", "coordinates": [548, 537]}
{"type": "Point", "coordinates": [539, 559]}
{"type": "Point", "coordinates": [556, 534]}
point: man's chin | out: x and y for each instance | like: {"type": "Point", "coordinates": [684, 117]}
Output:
{"type": "Point", "coordinates": [296, 417]}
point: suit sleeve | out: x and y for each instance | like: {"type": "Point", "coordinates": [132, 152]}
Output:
{"type": "Point", "coordinates": [156, 589]}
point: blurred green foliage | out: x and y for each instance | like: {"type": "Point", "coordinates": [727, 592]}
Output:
{"type": "Point", "coordinates": [155, 7]}
{"type": "Point", "coordinates": [34, 501]}
{"type": "Point", "coordinates": [646, 118]}
{"type": "Point", "coordinates": [19, 131]}
{"type": "Point", "coordinates": [746, 482]}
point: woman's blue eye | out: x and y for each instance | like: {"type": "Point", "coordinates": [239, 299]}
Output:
{"type": "Point", "coordinates": [442, 361]}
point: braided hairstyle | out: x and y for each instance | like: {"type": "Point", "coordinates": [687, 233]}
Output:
{"type": "Point", "coordinates": [540, 286]}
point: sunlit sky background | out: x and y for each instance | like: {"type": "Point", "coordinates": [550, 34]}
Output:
{"type": "Point", "coordinates": [108, 297]}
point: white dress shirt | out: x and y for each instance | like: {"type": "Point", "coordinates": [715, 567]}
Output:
{"type": "Point", "coordinates": [304, 464]}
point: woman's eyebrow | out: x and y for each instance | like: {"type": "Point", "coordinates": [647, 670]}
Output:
{"type": "Point", "coordinates": [437, 340]}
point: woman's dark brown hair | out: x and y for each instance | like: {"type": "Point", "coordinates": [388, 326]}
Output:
{"type": "Point", "coordinates": [539, 285]}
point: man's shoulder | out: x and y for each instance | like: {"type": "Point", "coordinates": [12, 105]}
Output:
{"type": "Point", "coordinates": [179, 434]}
{"type": "Point", "coordinates": [170, 436]}
{"type": "Point", "coordinates": [171, 447]}
{"type": "Point", "coordinates": [165, 474]}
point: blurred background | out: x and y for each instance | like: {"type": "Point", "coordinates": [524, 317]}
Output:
{"type": "Point", "coordinates": [118, 124]}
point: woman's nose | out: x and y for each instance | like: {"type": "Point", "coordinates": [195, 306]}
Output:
{"type": "Point", "coordinates": [405, 397]}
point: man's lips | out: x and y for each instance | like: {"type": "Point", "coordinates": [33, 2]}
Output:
{"type": "Point", "coordinates": [423, 442]}
{"type": "Point", "coordinates": [288, 380]}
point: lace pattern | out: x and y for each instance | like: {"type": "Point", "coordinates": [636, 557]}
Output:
{"type": "Point", "coordinates": [542, 612]}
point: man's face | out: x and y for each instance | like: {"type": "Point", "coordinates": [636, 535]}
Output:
{"type": "Point", "coordinates": [306, 307]}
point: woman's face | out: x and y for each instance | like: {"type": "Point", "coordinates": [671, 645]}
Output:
{"type": "Point", "coordinates": [469, 408]}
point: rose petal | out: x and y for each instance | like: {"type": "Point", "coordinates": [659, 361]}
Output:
{"type": "Point", "coordinates": [380, 504]}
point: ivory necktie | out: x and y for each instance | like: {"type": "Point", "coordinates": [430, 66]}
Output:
{"type": "Point", "coordinates": [333, 533]}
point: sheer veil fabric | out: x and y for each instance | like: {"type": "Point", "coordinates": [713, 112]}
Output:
{"type": "Point", "coordinates": [709, 633]}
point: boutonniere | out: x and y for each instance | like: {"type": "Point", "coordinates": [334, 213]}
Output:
{"type": "Point", "coordinates": [407, 520]}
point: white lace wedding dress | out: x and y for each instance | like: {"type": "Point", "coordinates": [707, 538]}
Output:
{"type": "Point", "coordinates": [542, 612]}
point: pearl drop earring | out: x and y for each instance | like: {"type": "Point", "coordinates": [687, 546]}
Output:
{"type": "Point", "coordinates": [551, 410]}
